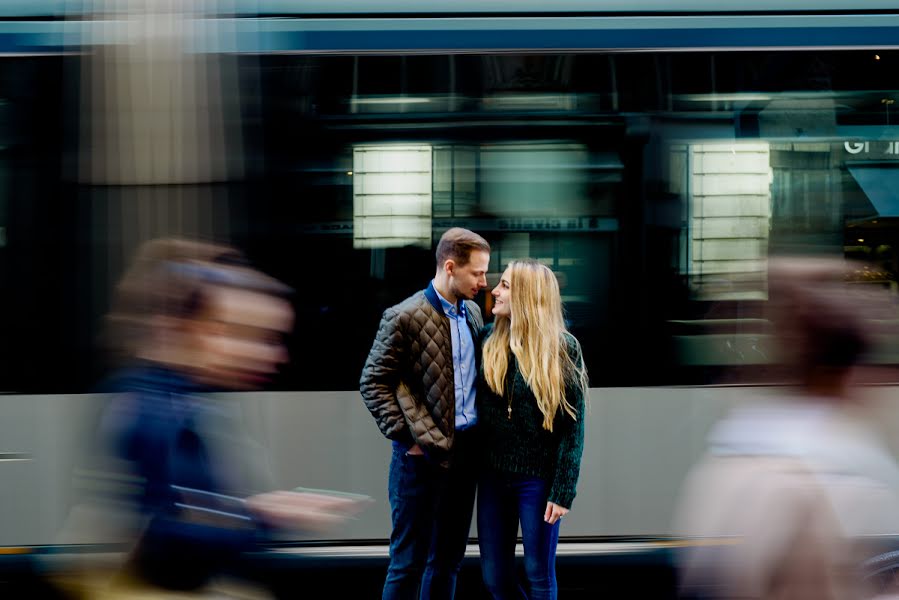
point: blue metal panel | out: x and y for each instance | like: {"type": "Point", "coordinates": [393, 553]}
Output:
{"type": "Point", "coordinates": [42, 8]}
{"type": "Point", "coordinates": [32, 8]}
{"type": "Point", "coordinates": [485, 34]}
{"type": "Point", "coordinates": [556, 34]}
{"type": "Point", "coordinates": [499, 40]}
{"type": "Point", "coordinates": [31, 37]}
{"type": "Point", "coordinates": [311, 7]}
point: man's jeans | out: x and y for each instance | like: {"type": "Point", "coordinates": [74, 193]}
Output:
{"type": "Point", "coordinates": [431, 508]}
{"type": "Point", "coordinates": [503, 501]}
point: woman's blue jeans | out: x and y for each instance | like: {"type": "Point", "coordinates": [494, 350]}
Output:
{"type": "Point", "coordinates": [504, 501]}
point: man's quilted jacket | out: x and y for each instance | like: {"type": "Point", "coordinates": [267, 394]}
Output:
{"type": "Point", "coordinates": [407, 382]}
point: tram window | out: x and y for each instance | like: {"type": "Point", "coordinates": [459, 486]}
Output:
{"type": "Point", "coordinates": [392, 196]}
{"type": "Point", "coordinates": [656, 185]}
{"type": "Point", "coordinates": [792, 182]}
{"type": "Point", "coordinates": [41, 324]}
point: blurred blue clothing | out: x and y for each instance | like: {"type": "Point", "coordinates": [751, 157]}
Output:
{"type": "Point", "coordinates": [159, 423]}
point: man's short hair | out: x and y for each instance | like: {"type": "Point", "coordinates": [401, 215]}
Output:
{"type": "Point", "coordinates": [458, 244]}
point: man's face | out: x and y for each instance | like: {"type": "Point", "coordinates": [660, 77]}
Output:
{"type": "Point", "coordinates": [469, 279]}
{"type": "Point", "coordinates": [238, 341]}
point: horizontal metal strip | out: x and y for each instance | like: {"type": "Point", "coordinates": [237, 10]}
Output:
{"type": "Point", "coordinates": [565, 549]}
{"type": "Point", "coordinates": [14, 456]}
{"type": "Point", "coordinates": [488, 35]}
{"type": "Point", "coordinates": [470, 34]}
{"type": "Point", "coordinates": [336, 549]}
{"type": "Point", "coordinates": [381, 7]}
{"type": "Point", "coordinates": [562, 6]}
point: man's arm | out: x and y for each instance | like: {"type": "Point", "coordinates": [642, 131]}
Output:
{"type": "Point", "coordinates": [381, 377]}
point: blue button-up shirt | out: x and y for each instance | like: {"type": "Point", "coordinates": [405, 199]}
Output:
{"type": "Point", "coordinates": [463, 363]}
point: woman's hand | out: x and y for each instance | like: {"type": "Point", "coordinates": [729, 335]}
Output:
{"type": "Point", "coordinates": [554, 513]}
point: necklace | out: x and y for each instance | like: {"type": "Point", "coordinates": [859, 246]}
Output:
{"type": "Point", "coordinates": [511, 396]}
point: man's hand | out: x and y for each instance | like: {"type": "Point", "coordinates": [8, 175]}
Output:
{"type": "Point", "coordinates": [415, 450]}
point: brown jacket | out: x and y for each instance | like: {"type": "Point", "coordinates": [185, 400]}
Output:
{"type": "Point", "coordinates": [407, 382]}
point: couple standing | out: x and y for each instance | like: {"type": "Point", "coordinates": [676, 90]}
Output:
{"type": "Point", "coordinates": [499, 408]}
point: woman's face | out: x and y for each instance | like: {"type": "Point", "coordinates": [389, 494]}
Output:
{"type": "Point", "coordinates": [502, 294]}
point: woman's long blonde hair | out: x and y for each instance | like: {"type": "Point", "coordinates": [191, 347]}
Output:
{"type": "Point", "coordinates": [536, 335]}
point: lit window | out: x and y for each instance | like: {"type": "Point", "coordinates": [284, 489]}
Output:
{"type": "Point", "coordinates": [728, 188]}
{"type": "Point", "coordinates": [392, 196]}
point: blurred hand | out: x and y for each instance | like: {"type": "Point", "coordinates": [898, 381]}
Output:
{"type": "Point", "coordinates": [415, 450]}
{"type": "Point", "coordinates": [553, 513]}
{"type": "Point", "coordinates": [303, 510]}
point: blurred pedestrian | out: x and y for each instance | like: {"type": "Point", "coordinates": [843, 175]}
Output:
{"type": "Point", "coordinates": [191, 319]}
{"type": "Point", "coordinates": [782, 502]}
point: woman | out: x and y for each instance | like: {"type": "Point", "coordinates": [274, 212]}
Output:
{"type": "Point", "coordinates": [531, 409]}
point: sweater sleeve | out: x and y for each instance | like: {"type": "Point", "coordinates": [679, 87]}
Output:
{"type": "Point", "coordinates": [571, 446]}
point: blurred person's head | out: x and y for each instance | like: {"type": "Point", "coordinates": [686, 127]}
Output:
{"type": "Point", "coordinates": [200, 309]}
{"type": "Point", "coordinates": [236, 337]}
{"type": "Point", "coordinates": [529, 324]}
{"type": "Point", "coordinates": [462, 260]}
{"type": "Point", "coordinates": [819, 319]}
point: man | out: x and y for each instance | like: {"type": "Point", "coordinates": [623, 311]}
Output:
{"type": "Point", "coordinates": [419, 384]}
{"type": "Point", "coordinates": [191, 319]}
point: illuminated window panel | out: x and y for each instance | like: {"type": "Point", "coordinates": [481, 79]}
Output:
{"type": "Point", "coordinates": [730, 199]}
{"type": "Point", "coordinates": [392, 196]}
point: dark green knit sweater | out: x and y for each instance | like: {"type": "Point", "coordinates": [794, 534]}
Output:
{"type": "Point", "coordinates": [521, 445]}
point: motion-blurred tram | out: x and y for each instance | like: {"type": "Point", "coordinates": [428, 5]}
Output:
{"type": "Point", "coordinates": [653, 157]}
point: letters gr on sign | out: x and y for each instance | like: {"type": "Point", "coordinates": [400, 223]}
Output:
{"type": "Point", "coordinates": [891, 148]}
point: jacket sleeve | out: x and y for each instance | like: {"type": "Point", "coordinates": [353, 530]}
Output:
{"type": "Point", "coordinates": [381, 377]}
{"type": "Point", "coordinates": [571, 446]}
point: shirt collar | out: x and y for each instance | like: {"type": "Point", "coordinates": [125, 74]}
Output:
{"type": "Point", "coordinates": [448, 307]}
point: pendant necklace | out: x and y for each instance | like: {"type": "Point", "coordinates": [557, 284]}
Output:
{"type": "Point", "coordinates": [510, 379]}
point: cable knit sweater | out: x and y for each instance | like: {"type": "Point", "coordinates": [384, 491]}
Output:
{"type": "Point", "coordinates": [519, 444]}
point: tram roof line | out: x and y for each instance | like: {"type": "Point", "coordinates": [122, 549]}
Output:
{"type": "Point", "coordinates": [44, 28]}
{"type": "Point", "coordinates": [57, 8]}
